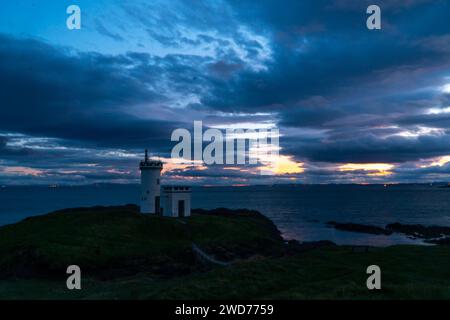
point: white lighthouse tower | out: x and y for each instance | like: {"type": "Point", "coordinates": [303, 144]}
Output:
{"type": "Point", "coordinates": [150, 185]}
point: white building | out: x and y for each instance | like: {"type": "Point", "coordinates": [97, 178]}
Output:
{"type": "Point", "coordinates": [150, 185]}
{"type": "Point", "coordinates": [176, 200]}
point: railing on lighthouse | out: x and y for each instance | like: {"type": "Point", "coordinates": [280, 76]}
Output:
{"type": "Point", "coordinates": [147, 163]}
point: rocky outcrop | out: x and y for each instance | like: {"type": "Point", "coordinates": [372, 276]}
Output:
{"type": "Point", "coordinates": [361, 228]}
{"type": "Point", "coordinates": [419, 231]}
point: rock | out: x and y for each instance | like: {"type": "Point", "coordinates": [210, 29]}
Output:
{"type": "Point", "coordinates": [419, 231]}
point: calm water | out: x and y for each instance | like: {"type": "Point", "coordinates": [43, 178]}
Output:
{"type": "Point", "coordinates": [300, 212]}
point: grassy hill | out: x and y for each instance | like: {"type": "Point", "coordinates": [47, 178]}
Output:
{"type": "Point", "coordinates": [110, 241]}
{"type": "Point", "coordinates": [125, 255]}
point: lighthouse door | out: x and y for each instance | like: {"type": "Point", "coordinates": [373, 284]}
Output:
{"type": "Point", "coordinates": [157, 205]}
{"type": "Point", "coordinates": [181, 208]}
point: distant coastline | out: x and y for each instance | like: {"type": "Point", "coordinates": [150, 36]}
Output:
{"type": "Point", "coordinates": [441, 184]}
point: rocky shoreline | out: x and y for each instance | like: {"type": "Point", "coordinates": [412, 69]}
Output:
{"type": "Point", "coordinates": [429, 234]}
{"type": "Point", "coordinates": [360, 228]}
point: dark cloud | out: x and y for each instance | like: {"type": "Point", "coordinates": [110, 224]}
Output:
{"type": "Point", "coordinates": [343, 55]}
{"type": "Point", "coordinates": [8, 151]}
{"type": "Point", "coordinates": [366, 147]}
{"type": "Point", "coordinates": [339, 92]}
{"type": "Point", "coordinates": [50, 92]}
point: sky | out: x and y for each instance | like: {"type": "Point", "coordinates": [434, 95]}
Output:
{"type": "Point", "coordinates": [352, 105]}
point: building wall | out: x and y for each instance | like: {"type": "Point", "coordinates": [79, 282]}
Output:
{"type": "Point", "coordinates": [150, 189]}
{"type": "Point", "coordinates": [166, 204]}
{"type": "Point", "coordinates": [170, 203]}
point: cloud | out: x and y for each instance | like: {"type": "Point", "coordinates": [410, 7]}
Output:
{"type": "Point", "coordinates": [51, 92]}
{"type": "Point", "coordinates": [104, 31]}
{"type": "Point", "coordinates": [339, 93]}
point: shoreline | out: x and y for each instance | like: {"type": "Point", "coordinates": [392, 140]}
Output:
{"type": "Point", "coordinates": [428, 234]}
{"type": "Point", "coordinates": [420, 234]}
{"type": "Point", "coordinates": [300, 212]}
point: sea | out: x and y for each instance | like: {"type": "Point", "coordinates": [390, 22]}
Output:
{"type": "Point", "coordinates": [299, 211]}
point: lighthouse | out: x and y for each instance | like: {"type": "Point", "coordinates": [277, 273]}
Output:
{"type": "Point", "coordinates": [150, 185]}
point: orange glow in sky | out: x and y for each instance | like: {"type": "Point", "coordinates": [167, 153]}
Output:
{"type": "Point", "coordinates": [441, 161]}
{"type": "Point", "coordinates": [23, 171]}
{"type": "Point", "coordinates": [180, 164]}
{"type": "Point", "coordinates": [283, 165]}
{"type": "Point", "coordinates": [373, 169]}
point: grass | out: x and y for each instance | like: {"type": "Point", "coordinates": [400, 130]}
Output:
{"type": "Point", "coordinates": [408, 272]}
{"type": "Point", "coordinates": [110, 238]}
{"type": "Point", "coordinates": [103, 239]}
